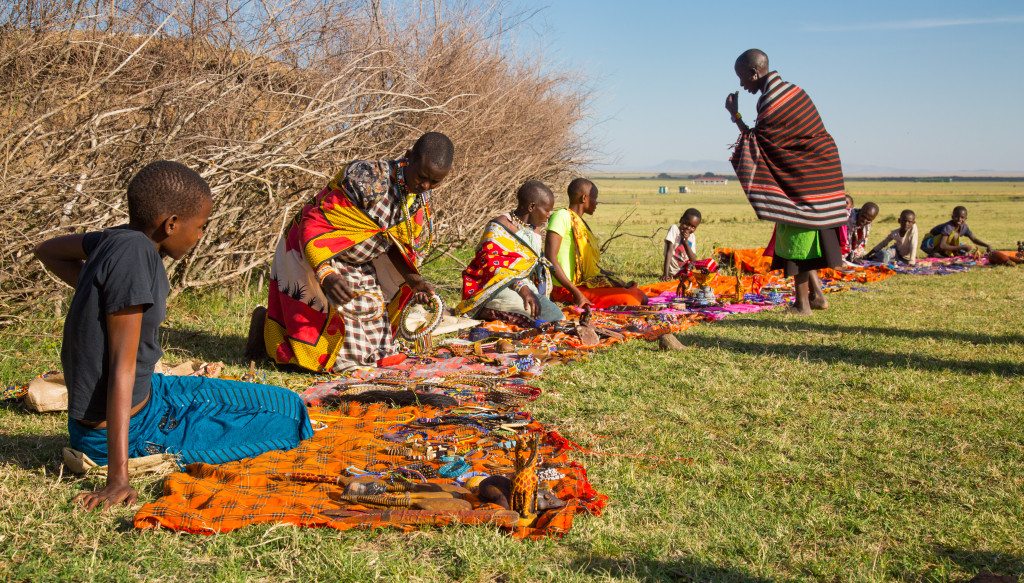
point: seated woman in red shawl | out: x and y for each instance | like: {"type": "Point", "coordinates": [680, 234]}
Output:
{"type": "Point", "coordinates": [508, 278]}
{"type": "Point", "coordinates": [346, 265]}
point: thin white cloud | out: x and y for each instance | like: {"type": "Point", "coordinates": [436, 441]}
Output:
{"type": "Point", "coordinates": [916, 24]}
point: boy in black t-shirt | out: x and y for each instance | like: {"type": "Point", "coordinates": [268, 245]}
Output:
{"type": "Point", "coordinates": [117, 407]}
{"type": "Point", "coordinates": [945, 240]}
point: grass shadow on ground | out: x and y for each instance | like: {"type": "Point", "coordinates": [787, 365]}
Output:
{"type": "Point", "coordinates": [205, 346]}
{"type": "Point", "coordinates": [834, 328]}
{"type": "Point", "coordinates": [989, 562]}
{"type": "Point", "coordinates": [651, 569]}
{"type": "Point", "coordinates": [833, 354]}
{"type": "Point", "coordinates": [32, 452]}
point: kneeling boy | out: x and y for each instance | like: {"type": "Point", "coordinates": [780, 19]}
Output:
{"type": "Point", "coordinates": [944, 240]}
{"type": "Point", "coordinates": [681, 244]}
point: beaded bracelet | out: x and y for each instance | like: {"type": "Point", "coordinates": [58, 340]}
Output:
{"type": "Point", "coordinates": [324, 270]}
{"type": "Point", "coordinates": [737, 117]}
{"type": "Point", "coordinates": [454, 469]}
{"type": "Point", "coordinates": [374, 313]}
{"type": "Point", "coordinates": [431, 324]}
{"type": "Point", "coordinates": [469, 475]}
{"type": "Point", "coordinates": [406, 473]}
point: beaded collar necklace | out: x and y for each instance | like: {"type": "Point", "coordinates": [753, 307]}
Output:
{"type": "Point", "coordinates": [422, 243]}
{"type": "Point", "coordinates": [521, 224]}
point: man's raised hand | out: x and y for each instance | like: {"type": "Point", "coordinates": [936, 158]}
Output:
{"type": "Point", "coordinates": [732, 102]}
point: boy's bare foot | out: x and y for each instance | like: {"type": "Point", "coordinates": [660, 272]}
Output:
{"type": "Point", "coordinates": [819, 303]}
{"type": "Point", "coordinates": [254, 347]}
{"type": "Point", "coordinates": [795, 311]}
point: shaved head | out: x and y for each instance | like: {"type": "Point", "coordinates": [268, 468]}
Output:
{"type": "Point", "coordinates": [434, 149]}
{"type": "Point", "coordinates": [579, 188]}
{"type": "Point", "coordinates": [533, 191]}
{"type": "Point", "coordinates": [754, 59]}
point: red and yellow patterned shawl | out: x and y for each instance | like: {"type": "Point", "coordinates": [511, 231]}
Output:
{"type": "Point", "coordinates": [501, 259]}
{"type": "Point", "coordinates": [332, 222]}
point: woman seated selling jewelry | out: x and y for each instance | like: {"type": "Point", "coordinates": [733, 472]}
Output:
{"type": "Point", "coordinates": [508, 278]}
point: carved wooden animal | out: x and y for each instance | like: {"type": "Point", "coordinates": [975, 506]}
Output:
{"type": "Point", "coordinates": [524, 480]}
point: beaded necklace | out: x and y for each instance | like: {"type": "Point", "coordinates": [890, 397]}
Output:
{"type": "Point", "coordinates": [419, 247]}
{"type": "Point", "coordinates": [519, 223]}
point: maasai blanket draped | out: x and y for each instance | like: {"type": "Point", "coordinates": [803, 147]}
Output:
{"type": "Point", "coordinates": [351, 222]}
{"type": "Point", "coordinates": [502, 259]}
{"type": "Point", "coordinates": [788, 164]}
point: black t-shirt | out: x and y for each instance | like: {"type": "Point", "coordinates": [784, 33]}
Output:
{"type": "Point", "coordinates": [123, 269]}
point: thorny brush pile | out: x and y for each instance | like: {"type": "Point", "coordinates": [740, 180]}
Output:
{"type": "Point", "coordinates": [267, 103]}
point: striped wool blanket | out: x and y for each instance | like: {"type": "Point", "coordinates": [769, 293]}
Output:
{"type": "Point", "coordinates": [788, 163]}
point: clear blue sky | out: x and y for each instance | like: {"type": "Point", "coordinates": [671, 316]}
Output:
{"type": "Point", "coordinates": [908, 84]}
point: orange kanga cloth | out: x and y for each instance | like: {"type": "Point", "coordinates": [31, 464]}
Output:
{"type": "Point", "coordinates": [209, 499]}
{"type": "Point", "coordinates": [754, 261]}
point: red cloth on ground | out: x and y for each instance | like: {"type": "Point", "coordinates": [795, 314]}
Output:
{"type": "Point", "coordinates": [603, 297]}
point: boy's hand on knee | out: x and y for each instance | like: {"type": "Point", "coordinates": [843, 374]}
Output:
{"type": "Point", "coordinates": [111, 495]}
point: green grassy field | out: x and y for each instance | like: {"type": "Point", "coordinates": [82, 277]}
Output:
{"type": "Point", "coordinates": [881, 440]}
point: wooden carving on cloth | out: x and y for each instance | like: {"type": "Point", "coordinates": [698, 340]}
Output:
{"type": "Point", "coordinates": [524, 481]}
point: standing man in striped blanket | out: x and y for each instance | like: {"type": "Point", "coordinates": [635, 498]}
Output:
{"type": "Point", "coordinates": [789, 167]}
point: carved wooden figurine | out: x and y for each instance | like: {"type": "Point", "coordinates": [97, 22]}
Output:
{"type": "Point", "coordinates": [524, 480]}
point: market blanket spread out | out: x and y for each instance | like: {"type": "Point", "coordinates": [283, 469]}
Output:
{"type": "Point", "coordinates": [444, 437]}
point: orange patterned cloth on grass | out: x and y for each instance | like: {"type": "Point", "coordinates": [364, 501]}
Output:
{"type": "Point", "coordinates": [209, 499]}
{"type": "Point", "coordinates": [754, 261]}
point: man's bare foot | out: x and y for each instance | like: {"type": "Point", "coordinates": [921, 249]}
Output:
{"type": "Point", "coordinates": [819, 303]}
{"type": "Point", "coordinates": [796, 311]}
{"type": "Point", "coordinates": [254, 347]}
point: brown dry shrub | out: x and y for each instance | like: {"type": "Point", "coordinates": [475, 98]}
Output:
{"type": "Point", "coordinates": [267, 103]}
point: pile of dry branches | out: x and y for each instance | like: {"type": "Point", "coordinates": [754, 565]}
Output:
{"type": "Point", "coordinates": [266, 100]}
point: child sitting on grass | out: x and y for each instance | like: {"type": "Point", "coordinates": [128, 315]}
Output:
{"type": "Point", "coordinates": [903, 239]}
{"type": "Point", "coordinates": [944, 240]}
{"type": "Point", "coordinates": [859, 227]}
{"type": "Point", "coordinates": [681, 244]}
{"type": "Point", "coordinates": [117, 407]}
{"type": "Point", "coordinates": [844, 230]}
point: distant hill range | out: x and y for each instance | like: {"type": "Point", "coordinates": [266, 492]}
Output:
{"type": "Point", "coordinates": [685, 168]}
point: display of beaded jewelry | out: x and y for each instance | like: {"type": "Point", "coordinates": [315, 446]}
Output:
{"type": "Point", "coordinates": [421, 337]}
